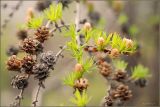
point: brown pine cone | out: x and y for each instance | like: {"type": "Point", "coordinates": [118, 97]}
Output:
{"type": "Point", "coordinates": [120, 75]}
{"type": "Point", "coordinates": [42, 34]}
{"type": "Point", "coordinates": [122, 92]}
{"type": "Point", "coordinates": [41, 71]}
{"type": "Point", "coordinates": [48, 58]}
{"type": "Point", "coordinates": [27, 64]}
{"type": "Point", "coordinates": [108, 101]}
{"type": "Point", "coordinates": [31, 46]}
{"type": "Point", "coordinates": [13, 63]}
{"type": "Point", "coordinates": [105, 68]}
{"type": "Point", "coordinates": [81, 84]}
{"type": "Point", "coordinates": [20, 81]}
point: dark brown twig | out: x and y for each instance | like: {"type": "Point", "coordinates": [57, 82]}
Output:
{"type": "Point", "coordinates": [58, 27]}
{"type": "Point", "coordinates": [59, 53]}
{"type": "Point", "coordinates": [19, 97]}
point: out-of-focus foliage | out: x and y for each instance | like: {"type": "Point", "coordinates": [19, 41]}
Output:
{"type": "Point", "coordinates": [140, 72]}
{"type": "Point", "coordinates": [120, 64]}
{"type": "Point", "coordinates": [122, 19]}
{"type": "Point", "coordinates": [133, 30]}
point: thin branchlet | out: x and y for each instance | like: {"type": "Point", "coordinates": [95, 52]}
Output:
{"type": "Point", "coordinates": [37, 93]}
{"type": "Point", "coordinates": [59, 27]}
{"type": "Point", "coordinates": [41, 83]}
{"type": "Point", "coordinates": [77, 22]}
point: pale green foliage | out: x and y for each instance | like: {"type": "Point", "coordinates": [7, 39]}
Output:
{"type": "Point", "coordinates": [77, 51]}
{"type": "Point", "coordinates": [80, 99]}
{"type": "Point", "coordinates": [72, 46]}
{"type": "Point", "coordinates": [71, 32]}
{"type": "Point", "coordinates": [122, 19]}
{"type": "Point", "coordinates": [93, 33]}
{"type": "Point", "coordinates": [35, 23]}
{"type": "Point", "coordinates": [70, 79]}
{"type": "Point", "coordinates": [120, 64]}
{"type": "Point", "coordinates": [87, 34]}
{"type": "Point", "coordinates": [107, 39]}
{"type": "Point", "coordinates": [54, 12]}
{"type": "Point", "coordinates": [88, 65]}
{"type": "Point", "coordinates": [140, 72]}
{"type": "Point", "coordinates": [99, 33]}
{"type": "Point", "coordinates": [118, 43]}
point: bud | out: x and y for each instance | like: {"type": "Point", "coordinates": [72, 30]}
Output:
{"type": "Point", "coordinates": [114, 53]}
{"type": "Point", "coordinates": [87, 26]}
{"type": "Point", "coordinates": [78, 67]}
{"type": "Point", "coordinates": [128, 42]}
{"type": "Point", "coordinates": [30, 14]}
{"type": "Point", "coordinates": [100, 41]}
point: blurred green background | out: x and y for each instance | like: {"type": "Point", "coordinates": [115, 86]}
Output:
{"type": "Point", "coordinates": [142, 13]}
